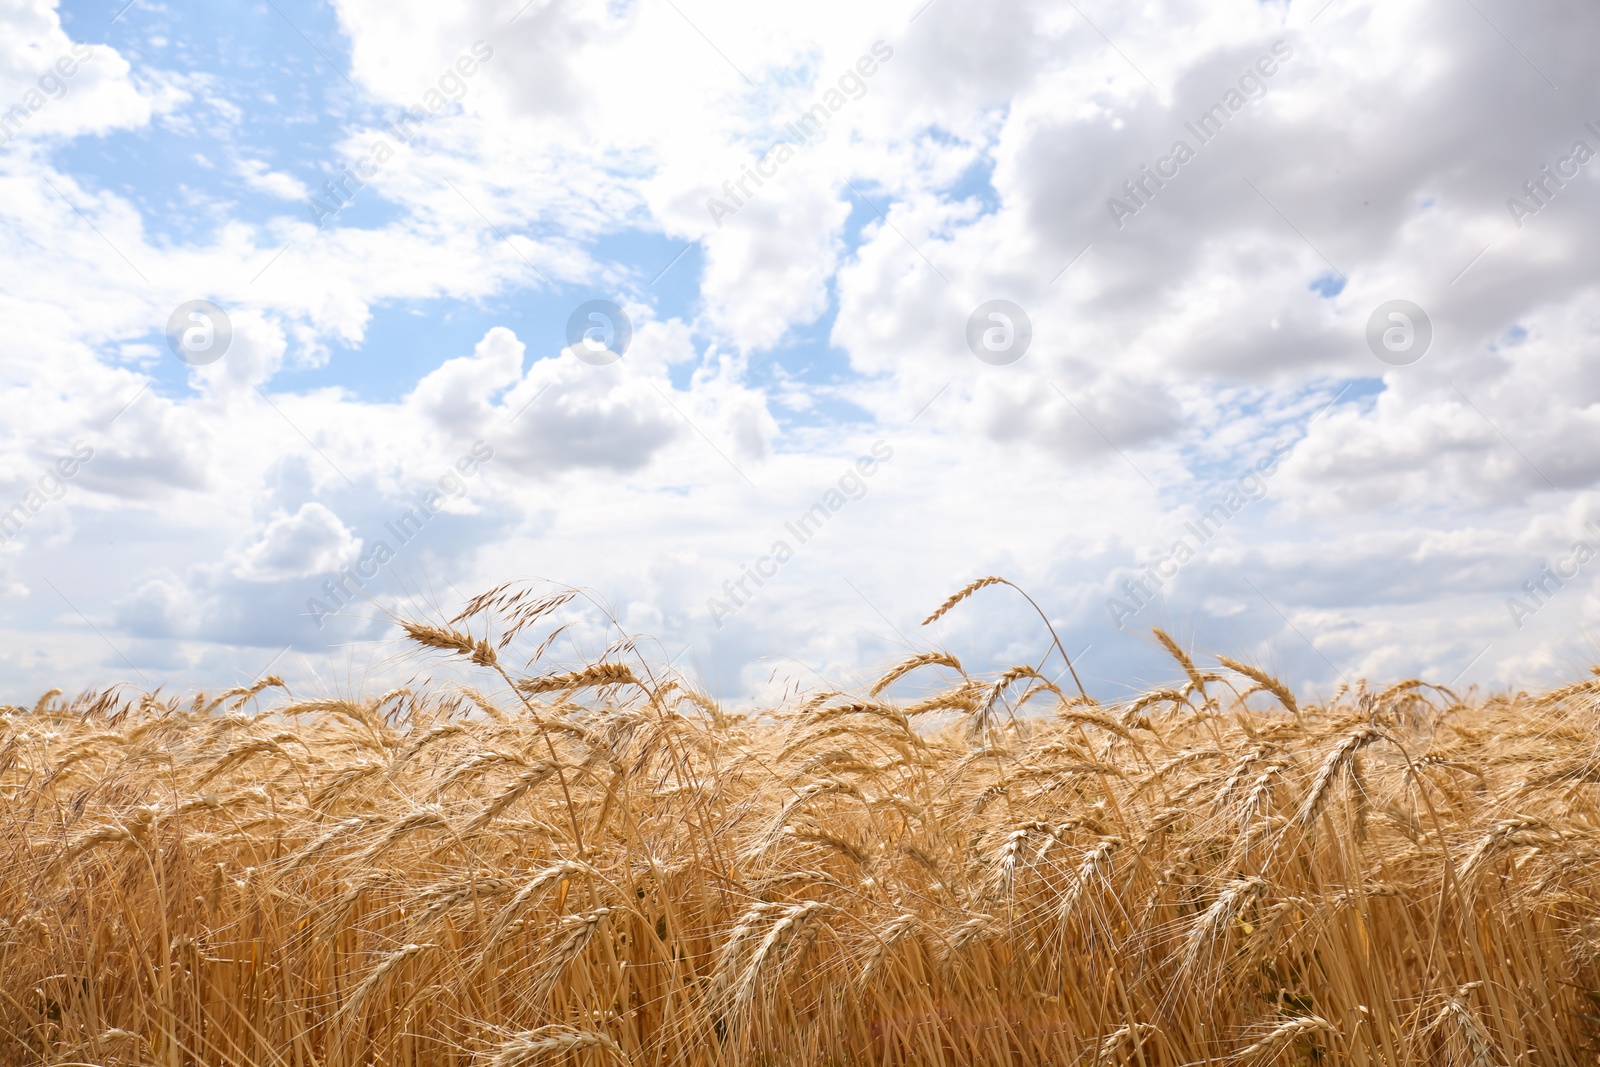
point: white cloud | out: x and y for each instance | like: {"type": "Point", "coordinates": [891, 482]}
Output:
{"type": "Point", "coordinates": [261, 177]}
{"type": "Point", "coordinates": [54, 86]}
{"type": "Point", "coordinates": [311, 541]}
{"type": "Point", "coordinates": [460, 394]}
{"type": "Point", "coordinates": [1172, 351]}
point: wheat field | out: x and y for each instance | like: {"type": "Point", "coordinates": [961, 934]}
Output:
{"type": "Point", "coordinates": [603, 865]}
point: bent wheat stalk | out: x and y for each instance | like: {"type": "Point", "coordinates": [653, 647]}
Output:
{"type": "Point", "coordinates": [983, 583]}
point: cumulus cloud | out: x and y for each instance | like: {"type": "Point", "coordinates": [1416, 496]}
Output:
{"type": "Point", "coordinates": [54, 86]}
{"type": "Point", "coordinates": [160, 607]}
{"type": "Point", "coordinates": [309, 542]}
{"type": "Point", "coordinates": [579, 416]}
{"type": "Point", "coordinates": [259, 176]}
{"type": "Point", "coordinates": [460, 395]}
{"type": "Point", "coordinates": [1190, 308]}
{"type": "Point", "coordinates": [562, 414]}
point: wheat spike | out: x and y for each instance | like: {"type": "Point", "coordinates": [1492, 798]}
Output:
{"type": "Point", "coordinates": [1337, 762]}
{"type": "Point", "coordinates": [480, 652]}
{"type": "Point", "coordinates": [549, 1044]}
{"type": "Point", "coordinates": [1265, 682]}
{"type": "Point", "coordinates": [1284, 1033]}
{"type": "Point", "coordinates": [962, 594]}
{"type": "Point", "coordinates": [905, 667]}
{"type": "Point", "coordinates": [597, 675]}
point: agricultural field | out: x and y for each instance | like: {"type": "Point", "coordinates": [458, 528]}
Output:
{"type": "Point", "coordinates": [604, 866]}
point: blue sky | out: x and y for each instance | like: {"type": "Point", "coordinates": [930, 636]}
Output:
{"type": "Point", "coordinates": [969, 154]}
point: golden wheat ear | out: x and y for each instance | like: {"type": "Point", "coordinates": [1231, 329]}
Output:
{"type": "Point", "coordinates": [244, 693]}
{"type": "Point", "coordinates": [481, 652]}
{"type": "Point", "coordinates": [1055, 638]}
{"type": "Point", "coordinates": [1274, 1042]}
{"type": "Point", "coordinates": [550, 1044]}
{"type": "Point", "coordinates": [600, 674]}
{"type": "Point", "coordinates": [962, 594]}
{"type": "Point", "coordinates": [1197, 678]}
{"type": "Point", "coordinates": [905, 667]}
{"type": "Point", "coordinates": [1265, 683]}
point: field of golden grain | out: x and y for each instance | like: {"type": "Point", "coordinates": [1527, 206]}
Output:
{"type": "Point", "coordinates": [604, 866]}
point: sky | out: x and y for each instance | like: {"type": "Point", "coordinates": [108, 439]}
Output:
{"type": "Point", "coordinates": [771, 326]}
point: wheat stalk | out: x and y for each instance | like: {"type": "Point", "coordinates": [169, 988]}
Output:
{"type": "Point", "coordinates": [926, 659]}
{"type": "Point", "coordinates": [549, 1044]}
{"type": "Point", "coordinates": [1283, 1034]}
